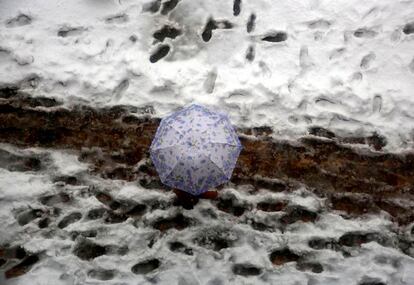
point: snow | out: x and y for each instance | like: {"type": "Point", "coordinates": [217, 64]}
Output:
{"type": "Point", "coordinates": [59, 265]}
{"type": "Point", "coordinates": [345, 66]}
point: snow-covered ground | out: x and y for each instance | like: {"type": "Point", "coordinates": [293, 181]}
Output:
{"type": "Point", "coordinates": [213, 247]}
{"type": "Point", "coordinates": [347, 66]}
{"type": "Point", "coordinates": [343, 65]}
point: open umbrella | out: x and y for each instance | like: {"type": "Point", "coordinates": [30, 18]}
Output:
{"type": "Point", "coordinates": [195, 149]}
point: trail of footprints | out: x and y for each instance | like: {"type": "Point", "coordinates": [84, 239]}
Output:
{"type": "Point", "coordinates": [272, 36]}
{"type": "Point", "coordinates": [212, 24]}
{"type": "Point", "coordinates": [161, 49]}
{"type": "Point", "coordinates": [214, 238]}
{"type": "Point", "coordinates": [263, 216]}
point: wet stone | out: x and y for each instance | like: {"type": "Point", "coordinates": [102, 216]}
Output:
{"type": "Point", "coordinates": [377, 141]}
{"type": "Point", "coordinates": [353, 239]}
{"type": "Point", "coordinates": [177, 246]}
{"type": "Point", "coordinates": [298, 214]}
{"type": "Point", "coordinates": [120, 173]}
{"type": "Point", "coordinates": [246, 270]}
{"type": "Point", "coordinates": [69, 219]}
{"type": "Point", "coordinates": [178, 222]}
{"type": "Point", "coordinates": [272, 185]}
{"type": "Point", "coordinates": [406, 246]}
{"type": "Point", "coordinates": [88, 250]}
{"type": "Point", "coordinates": [22, 268]}
{"type": "Point", "coordinates": [229, 205]}
{"type": "Point", "coordinates": [28, 216]}
{"type": "Point", "coordinates": [16, 252]}
{"type": "Point", "coordinates": [44, 223]}
{"type": "Point", "coordinates": [70, 180]}
{"type": "Point", "coordinates": [353, 205]}
{"type": "Point", "coordinates": [55, 211]}
{"type": "Point", "coordinates": [115, 218]}
{"type": "Point", "coordinates": [271, 206]}
{"type": "Point", "coordinates": [184, 199]}
{"type": "Point", "coordinates": [107, 200]}
{"type": "Point", "coordinates": [122, 250]}
{"type": "Point", "coordinates": [155, 204]}
{"type": "Point", "coordinates": [102, 274]}
{"type": "Point", "coordinates": [259, 226]}
{"type": "Point", "coordinates": [96, 213]}
{"type": "Point", "coordinates": [258, 157]}
{"type": "Point", "coordinates": [322, 243]}
{"type": "Point", "coordinates": [146, 266]}
{"type": "Point", "coordinates": [131, 119]}
{"type": "Point", "coordinates": [87, 233]}
{"type": "Point", "coordinates": [309, 266]}
{"type": "Point", "coordinates": [39, 101]}
{"type": "Point", "coordinates": [216, 239]}
{"type": "Point", "coordinates": [282, 256]}
{"type": "Point", "coordinates": [48, 137]}
{"type": "Point", "coordinates": [209, 213]}
{"type": "Point", "coordinates": [7, 92]}
{"type": "Point", "coordinates": [51, 200]}
{"type": "Point", "coordinates": [137, 210]}
{"type": "Point", "coordinates": [388, 260]}
{"type": "Point", "coordinates": [13, 162]}
{"type": "Point", "coordinates": [151, 183]}
{"type": "Point", "coordinates": [19, 252]}
{"type": "Point", "coordinates": [125, 206]}
{"type": "Point", "coordinates": [260, 131]}
{"type": "Point", "coordinates": [321, 132]}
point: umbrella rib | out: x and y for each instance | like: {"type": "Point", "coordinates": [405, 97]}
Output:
{"type": "Point", "coordinates": [172, 169]}
{"type": "Point", "coordinates": [218, 121]}
{"type": "Point", "coordinates": [236, 145]}
{"type": "Point", "coordinates": [165, 147]}
{"type": "Point", "coordinates": [177, 130]}
{"type": "Point", "coordinates": [215, 164]}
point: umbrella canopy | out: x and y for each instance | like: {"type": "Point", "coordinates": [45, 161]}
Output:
{"type": "Point", "coordinates": [195, 149]}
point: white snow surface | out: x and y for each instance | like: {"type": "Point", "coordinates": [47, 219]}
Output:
{"type": "Point", "coordinates": [323, 74]}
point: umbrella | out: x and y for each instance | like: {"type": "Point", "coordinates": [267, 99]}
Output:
{"type": "Point", "coordinates": [195, 149]}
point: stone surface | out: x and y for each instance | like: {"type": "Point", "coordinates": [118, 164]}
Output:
{"type": "Point", "coordinates": [326, 165]}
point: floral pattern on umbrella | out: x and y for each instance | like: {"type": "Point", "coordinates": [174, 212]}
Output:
{"type": "Point", "coordinates": [195, 149]}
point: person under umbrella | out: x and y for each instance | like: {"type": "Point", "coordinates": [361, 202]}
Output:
{"type": "Point", "coordinates": [195, 149]}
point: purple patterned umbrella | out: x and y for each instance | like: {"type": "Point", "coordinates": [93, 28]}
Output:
{"type": "Point", "coordinates": [195, 149]}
